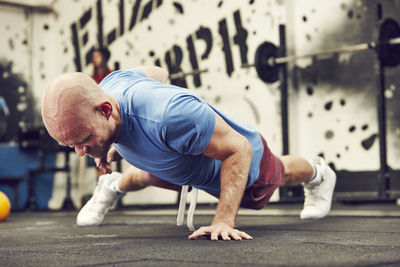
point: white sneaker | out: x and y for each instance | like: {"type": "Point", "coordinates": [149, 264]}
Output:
{"type": "Point", "coordinates": [318, 197]}
{"type": "Point", "coordinates": [104, 197]}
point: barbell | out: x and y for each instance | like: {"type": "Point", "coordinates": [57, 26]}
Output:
{"type": "Point", "coordinates": [387, 47]}
{"type": "Point", "coordinates": [267, 62]}
{"type": "Point", "coordinates": [180, 75]}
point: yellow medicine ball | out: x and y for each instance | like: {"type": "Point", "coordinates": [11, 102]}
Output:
{"type": "Point", "coordinates": [5, 206]}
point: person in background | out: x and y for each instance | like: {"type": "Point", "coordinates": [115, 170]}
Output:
{"type": "Point", "coordinates": [100, 57]}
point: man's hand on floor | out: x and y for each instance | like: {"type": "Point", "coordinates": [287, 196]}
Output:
{"type": "Point", "coordinates": [220, 229]}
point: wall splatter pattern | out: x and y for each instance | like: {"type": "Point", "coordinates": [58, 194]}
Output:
{"type": "Point", "coordinates": [337, 110]}
{"type": "Point", "coordinates": [332, 100]}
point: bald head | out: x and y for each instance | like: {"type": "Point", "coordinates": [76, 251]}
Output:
{"type": "Point", "coordinates": [70, 100]}
{"type": "Point", "coordinates": [66, 91]}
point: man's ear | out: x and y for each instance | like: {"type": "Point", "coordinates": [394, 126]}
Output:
{"type": "Point", "coordinates": [105, 108]}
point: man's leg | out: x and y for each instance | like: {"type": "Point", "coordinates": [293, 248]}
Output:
{"type": "Point", "coordinates": [318, 180]}
{"type": "Point", "coordinates": [297, 170]}
{"type": "Point", "coordinates": [134, 179]}
{"type": "Point", "coordinates": [112, 187]}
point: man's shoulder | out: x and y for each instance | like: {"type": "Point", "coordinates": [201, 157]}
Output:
{"type": "Point", "coordinates": [159, 92]}
{"type": "Point", "coordinates": [118, 77]}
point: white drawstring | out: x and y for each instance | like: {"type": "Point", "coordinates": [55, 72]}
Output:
{"type": "Point", "coordinates": [192, 208]}
{"type": "Point", "coordinates": [182, 207]}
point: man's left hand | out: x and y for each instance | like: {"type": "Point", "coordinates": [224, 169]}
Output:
{"type": "Point", "coordinates": [220, 229]}
{"type": "Point", "coordinates": [103, 163]}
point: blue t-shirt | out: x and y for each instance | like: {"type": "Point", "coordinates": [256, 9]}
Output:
{"type": "Point", "coordinates": [165, 130]}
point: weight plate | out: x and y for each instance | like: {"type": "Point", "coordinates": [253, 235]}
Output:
{"type": "Point", "coordinates": [389, 54]}
{"type": "Point", "coordinates": [267, 72]}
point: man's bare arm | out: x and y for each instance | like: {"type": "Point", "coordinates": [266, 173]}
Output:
{"type": "Point", "coordinates": [155, 73]}
{"type": "Point", "coordinates": [234, 150]}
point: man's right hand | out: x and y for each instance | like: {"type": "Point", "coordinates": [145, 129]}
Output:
{"type": "Point", "coordinates": [103, 164]}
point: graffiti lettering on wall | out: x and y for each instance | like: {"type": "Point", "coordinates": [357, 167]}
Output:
{"type": "Point", "coordinates": [80, 34]}
{"type": "Point", "coordinates": [174, 57]}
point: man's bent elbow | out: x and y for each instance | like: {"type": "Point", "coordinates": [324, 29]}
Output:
{"type": "Point", "coordinates": [165, 75]}
{"type": "Point", "coordinates": [155, 73]}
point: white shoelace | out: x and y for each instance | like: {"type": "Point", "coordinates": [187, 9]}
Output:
{"type": "Point", "coordinates": [182, 207]}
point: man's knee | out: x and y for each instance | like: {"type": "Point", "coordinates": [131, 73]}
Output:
{"type": "Point", "coordinates": [133, 178]}
{"type": "Point", "coordinates": [297, 170]}
{"type": "Point", "coordinates": [287, 168]}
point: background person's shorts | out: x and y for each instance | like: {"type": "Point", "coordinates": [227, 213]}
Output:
{"type": "Point", "coordinates": [270, 176]}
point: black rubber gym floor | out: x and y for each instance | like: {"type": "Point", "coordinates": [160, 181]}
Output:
{"type": "Point", "coordinates": [151, 238]}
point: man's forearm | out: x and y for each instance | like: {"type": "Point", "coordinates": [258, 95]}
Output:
{"type": "Point", "coordinates": [234, 175]}
{"type": "Point", "coordinates": [235, 153]}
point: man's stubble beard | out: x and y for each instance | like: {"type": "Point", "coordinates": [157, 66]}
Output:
{"type": "Point", "coordinates": [101, 151]}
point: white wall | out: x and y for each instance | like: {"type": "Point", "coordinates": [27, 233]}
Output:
{"type": "Point", "coordinates": [242, 94]}
{"type": "Point", "coordinates": [346, 81]}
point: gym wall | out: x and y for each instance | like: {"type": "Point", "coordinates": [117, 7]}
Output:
{"type": "Point", "coordinates": [333, 104]}
{"type": "Point", "coordinates": [332, 107]}
{"type": "Point", "coordinates": [217, 35]}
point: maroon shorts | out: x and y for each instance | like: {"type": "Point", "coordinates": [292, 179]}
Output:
{"type": "Point", "coordinates": [270, 176]}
